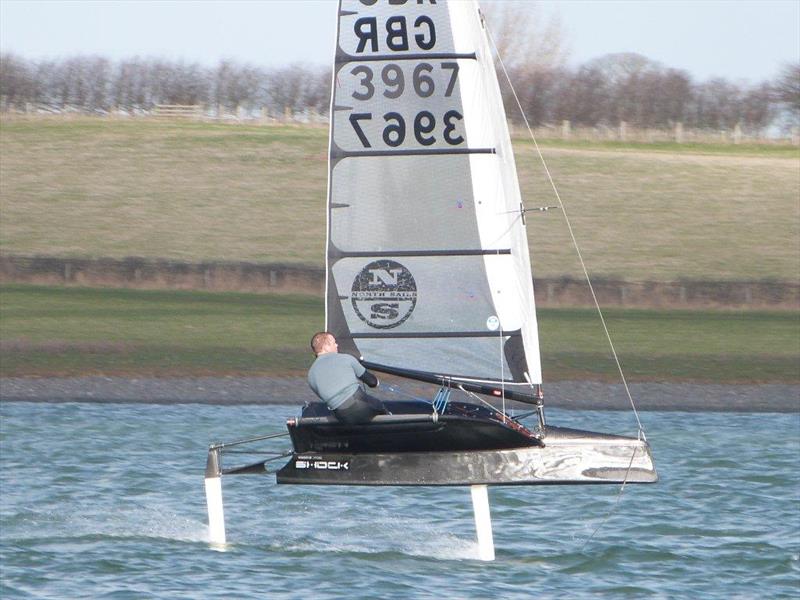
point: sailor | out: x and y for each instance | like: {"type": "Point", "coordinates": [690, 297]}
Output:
{"type": "Point", "coordinates": [334, 377]}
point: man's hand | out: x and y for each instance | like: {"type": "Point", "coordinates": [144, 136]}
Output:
{"type": "Point", "coordinates": [369, 379]}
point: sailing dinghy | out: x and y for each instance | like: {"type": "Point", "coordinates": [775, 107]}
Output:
{"type": "Point", "coordinates": [429, 277]}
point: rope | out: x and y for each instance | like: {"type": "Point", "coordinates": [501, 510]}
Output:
{"type": "Point", "coordinates": [482, 401]}
{"type": "Point", "coordinates": [506, 383]}
{"type": "Point", "coordinates": [641, 433]}
{"type": "Point", "coordinates": [222, 446]}
{"type": "Point", "coordinates": [260, 452]}
{"type": "Point", "coordinates": [402, 392]}
{"type": "Point", "coordinates": [441, 399]}
{"type": "Point", "coordinates": [614, 507]}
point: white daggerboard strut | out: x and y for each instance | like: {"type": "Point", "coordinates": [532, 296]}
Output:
{"type": "Point", "coordinates": [483, 521]}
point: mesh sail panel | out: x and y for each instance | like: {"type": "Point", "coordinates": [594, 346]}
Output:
{"type": "Point", "coordinates": [427, 258]}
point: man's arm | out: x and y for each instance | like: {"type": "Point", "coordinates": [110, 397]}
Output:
{"type": "Point", "coordinates": [369, 379]}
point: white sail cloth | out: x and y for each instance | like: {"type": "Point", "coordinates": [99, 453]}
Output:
{"type": "Point", "coordinates": [427, 258]}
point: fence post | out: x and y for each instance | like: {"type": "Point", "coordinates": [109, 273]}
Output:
{"type": "Point", "coordinates": [679, 132]}
{"type": "Point", "coordinates": [287, 114]}
{"type": "Point", "coordinates": [623, 131]}
{"type": "Point", "coordinates": [565, 129]}
{"type": "Point", "coordinates": [737, 133]}
{"type": "Point", "coordinates": [796, 136]}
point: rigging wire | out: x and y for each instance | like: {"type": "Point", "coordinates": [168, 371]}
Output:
{"type": "Point", "coordinates": [482, 401]}
{"type": "Point", "coordinates": [614, 507]}
{"type": "Point", "coordinates": [641, 433]}
{"type": "Point", "coordinates": [402, 392]}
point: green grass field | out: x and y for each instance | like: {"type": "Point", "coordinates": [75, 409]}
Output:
{"type": "Point", "coordinates": [192, 191]}
{"type": "Point", "coordinates": [48, 331]}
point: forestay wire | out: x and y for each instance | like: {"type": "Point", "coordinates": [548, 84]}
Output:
{"type": "Point", "coordinates": [641, 433]}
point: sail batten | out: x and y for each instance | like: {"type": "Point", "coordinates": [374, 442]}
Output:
{"type": "Point", "coordinates": [428, 268]}
{"type": "Point", "coordinates": [436, 334]}
{"type": "Point", "coordinates": [346, 58]}
{"type": "Point", "coordinates": [454, 252]}
{"type": "Point", "coordinates": [338, 153]}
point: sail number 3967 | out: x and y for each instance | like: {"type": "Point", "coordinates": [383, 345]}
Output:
{"type": "Point", "coordinates": [394, 80]}
{"type": "Point", "coordinates": [425, 126]}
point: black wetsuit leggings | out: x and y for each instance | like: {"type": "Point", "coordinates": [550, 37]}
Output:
{"type": "Point", "coordinates": [359, 408]}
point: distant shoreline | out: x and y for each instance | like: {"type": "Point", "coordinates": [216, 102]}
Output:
{"type": "Point", "coordinates": [250, 277]}
{"type": "Point", "coordinates": [583, 395]}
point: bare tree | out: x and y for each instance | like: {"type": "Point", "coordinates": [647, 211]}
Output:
{"type": "Point", "coordinates": [129, 85]}
{"type": "Point", "coordinates": [179, 83]}
{"type": "Point", "coordinates": [294, 86]}
{"type": "Point", "coordinates": [524, 37]}
{"type": "Point", "coordinates": [583, 97]}
{"type": "Point", "coordinates": [673, 97]}
{"type": "Point", "coordinates": [318, 89]}
{"type": "Point", "coordinates": [237, 85]}
{"type": "Point", "coordinates": [17, 81]}
{"type": "Point", "coordinates": [787, 92]}
{"type": "Point", "coordinates": [538, 91]}
{"type": "Point", "coordinates": [758, 108]}
{"type": "Point", "coordinates": [532, 49]}
{"type": "Point", "coordinates": [716, 105]}
{"type": "Point", "coordinates": [97, 77]}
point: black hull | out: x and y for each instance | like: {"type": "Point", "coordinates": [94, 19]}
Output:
{"type": "Point", "coordinates": [470, 445]}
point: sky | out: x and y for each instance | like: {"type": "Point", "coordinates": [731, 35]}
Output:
{"type": "Point", "coordinates": [736, 39]}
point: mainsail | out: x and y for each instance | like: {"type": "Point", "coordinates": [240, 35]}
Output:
{"type": "Point", "coordinates": [428, 266]}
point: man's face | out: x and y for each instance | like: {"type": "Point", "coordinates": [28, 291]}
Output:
{"type": "Point", "coordinates": [331, 345]}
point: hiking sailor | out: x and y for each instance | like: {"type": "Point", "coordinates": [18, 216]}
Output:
{"type": "Point", "coordinates": [334, 377]}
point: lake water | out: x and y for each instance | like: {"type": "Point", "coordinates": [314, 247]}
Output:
{"type": "Point", "coordinates": [107, 501]}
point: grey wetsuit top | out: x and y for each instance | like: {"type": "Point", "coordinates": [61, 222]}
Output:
{"type": "Point", "coordinates": [334, 378]}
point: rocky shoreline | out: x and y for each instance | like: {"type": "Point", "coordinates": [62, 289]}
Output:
{"type": "Point", "coordinates": [294, 390]}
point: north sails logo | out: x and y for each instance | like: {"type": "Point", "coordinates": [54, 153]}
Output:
{"type": "Point", "coordinates": [384, 294]}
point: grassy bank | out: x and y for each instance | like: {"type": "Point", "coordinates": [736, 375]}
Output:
{"type": "Point", "coordinates": [194, 191]}
{"type": "Point", "coordinates": [72, 331]}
